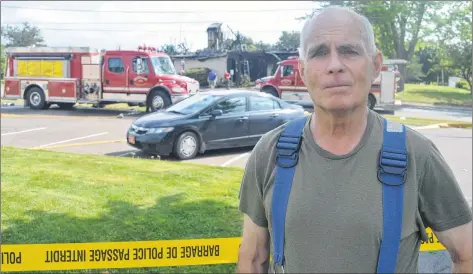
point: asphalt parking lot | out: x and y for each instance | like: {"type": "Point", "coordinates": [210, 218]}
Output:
{"type": "Point", "coordinates": [89, 131]}
{"type": "Point", "coordinates": [101, 132]}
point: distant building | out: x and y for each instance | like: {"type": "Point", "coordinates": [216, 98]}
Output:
{"type": "Point", "coordinates": [237, 62]}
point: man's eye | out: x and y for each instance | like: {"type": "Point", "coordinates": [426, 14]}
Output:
{"type": "Point", "coordinates": [348, 51]}
{"type": "Point", "coordinates": [320, 53]}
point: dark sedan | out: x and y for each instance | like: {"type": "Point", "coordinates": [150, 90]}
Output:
{"type": "Point", "coordinates": [210, 120]}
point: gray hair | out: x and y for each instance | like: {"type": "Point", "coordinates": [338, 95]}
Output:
{"type": "Point", "coordinates": [367, 32]}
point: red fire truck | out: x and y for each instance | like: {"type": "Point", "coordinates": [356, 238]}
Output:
{"type": "Point", "coordinates": [65, 76]}
{"type": "Point", "coordinates": [287, 84]}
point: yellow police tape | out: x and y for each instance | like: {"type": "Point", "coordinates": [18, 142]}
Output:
{"type": "Point", "coordinates": [37, 257]}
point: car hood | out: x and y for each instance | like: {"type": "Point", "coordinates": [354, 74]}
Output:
{"type": "Point", "coordinates": [175, 77]}
{"type": "Point", "coordinates": [158, 119]}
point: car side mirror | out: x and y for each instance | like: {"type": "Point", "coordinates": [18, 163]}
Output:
{"type": "Point", "coordinates": [216, 112]}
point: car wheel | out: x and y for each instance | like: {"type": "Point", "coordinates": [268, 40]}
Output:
{"type": "Point", "coordinates": [371, 101]}
{"type": "Point", "coordinates": [186, 146]}
{"type": "Point", "coordinates": [36, 99]}
{"type": "Point", "coordinates": [158, 100]}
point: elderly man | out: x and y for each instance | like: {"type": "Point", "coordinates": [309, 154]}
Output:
{"type": "Point", "coordinates": [363, 189]}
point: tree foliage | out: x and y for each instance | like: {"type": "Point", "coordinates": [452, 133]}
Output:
{"type": "Point", "coordinates": [24, 36]}
{"type": "Point", "coordinates": [288, 40]}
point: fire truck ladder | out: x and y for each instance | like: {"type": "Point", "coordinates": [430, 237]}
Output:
{"type": "Point", "coordinates": [246, 67]}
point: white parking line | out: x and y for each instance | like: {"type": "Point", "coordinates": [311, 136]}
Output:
{"type": "Point", "coordinates": [234, 159]}
{"type": "Point", "coordinates": [23, 131]}
{"type": "Point", "coordinates": [69, 140]}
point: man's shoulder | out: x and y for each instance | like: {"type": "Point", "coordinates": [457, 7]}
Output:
{"type": "Point", "coordinates": [416, 141]}
{"type": "Point", "coordinates": [267, 143]}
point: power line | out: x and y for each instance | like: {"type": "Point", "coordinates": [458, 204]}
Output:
{"type": "Point", "coordinates": [134, 23]}
{"type": "Point", "coordinates": [157, 11]}
{"type": "Point", "coordinates": [157, 31]}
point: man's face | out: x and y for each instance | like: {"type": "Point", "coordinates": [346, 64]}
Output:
{"type": "Point", "coordinates": [337, 70]}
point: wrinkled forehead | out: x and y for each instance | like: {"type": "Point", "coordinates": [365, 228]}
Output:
{"type": "Point", "coordinates": [336, 31]}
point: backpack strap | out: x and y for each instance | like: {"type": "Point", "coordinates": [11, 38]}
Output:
{"type": "Point", "coordinates": [392, 174]}
{"type": "Point", "coordinates": [287, 156]}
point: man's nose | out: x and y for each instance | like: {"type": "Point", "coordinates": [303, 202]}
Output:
{"type": "Point", "coordinates": [334, 64]}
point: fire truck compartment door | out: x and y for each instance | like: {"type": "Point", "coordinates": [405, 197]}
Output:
{"type": "Point", "coordinates": [42, 68]}
{"type": "Point", "coordinates": [387, 87]}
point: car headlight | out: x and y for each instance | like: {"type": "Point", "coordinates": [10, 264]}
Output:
{"type": "Point", "coordinates": [160, 129]}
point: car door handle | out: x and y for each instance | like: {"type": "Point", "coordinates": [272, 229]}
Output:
{"type": "Point", "coordinates": [107, 82]}
{"type": "Point", "coordinates": [242, 118]}
{"type": "Point", "coordinates": [131, 82]}
{"type": "Point", "coordinates": [274, 115]}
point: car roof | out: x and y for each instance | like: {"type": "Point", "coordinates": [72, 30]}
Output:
{"type": "Point", "coordinates": [237, 92]}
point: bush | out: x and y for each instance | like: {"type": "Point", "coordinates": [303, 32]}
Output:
{"type": "Point", "coordinates": [245, 81]}
{"type": "Point", "coordinates": [199, 74]}
{"type": "Point", "coordinates": [463, 84]}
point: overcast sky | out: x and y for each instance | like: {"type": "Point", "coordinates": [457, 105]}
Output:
{"type": "Point", "coordinates": [143, 23]}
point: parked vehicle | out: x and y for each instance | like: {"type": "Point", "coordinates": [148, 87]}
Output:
{"type": "Point", "coordinates": [287, 84]}
{"type": "Point", "coordinates": [210, 120]}
{"type": "Point", "coordinates": [65, 76]}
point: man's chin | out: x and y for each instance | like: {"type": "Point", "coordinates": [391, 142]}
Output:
{"type": "Point", "coordinates": [339, 107]}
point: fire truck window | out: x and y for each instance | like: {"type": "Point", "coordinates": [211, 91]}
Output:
{"type": "Point", "coordinates": [288, 70]}
{"type": "Point", "coordinates": [144, 64]}
{"type": "Point", "coordinates": [232, 105]}
{"type": "Point", "coordinates": [115, 65]}
{"type": "Point", "coordinates": [261, 103]}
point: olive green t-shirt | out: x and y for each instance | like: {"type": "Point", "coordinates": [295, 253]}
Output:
{"type": "Point", "coordinates": [334, 213]}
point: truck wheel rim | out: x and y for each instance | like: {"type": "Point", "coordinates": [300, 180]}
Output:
{"type": "Point", "coordinates": [35, 99]}
{"type": "Point", "coordinates": [158, 102]}
{"type": "Point", "coordinates": [188, 145]}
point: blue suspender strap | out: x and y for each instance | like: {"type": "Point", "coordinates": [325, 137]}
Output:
{"type": "Point", "coordinates": [392, 173]}
{"type": "Point", "coordinates": [286, 159]}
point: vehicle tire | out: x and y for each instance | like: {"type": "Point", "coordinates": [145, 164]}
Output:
{"type": "Point", "coordinates": [271, 91]}
{"type": "Point", "coordinates": [66, 105]}
{"type": "Point", "coordinates": [36, 99]}
{"type": "Point", "coordinates": [186, 146]}
{"type": "Point", "coordinates": [371, 101]}
{"type": "Point", "coordinates": [158, 100]}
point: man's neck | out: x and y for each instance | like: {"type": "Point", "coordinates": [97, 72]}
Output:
{"type": "Point", "coordinates": [339, 133]}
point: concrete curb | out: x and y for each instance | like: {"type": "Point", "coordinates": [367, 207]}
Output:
{"type": "Point", "coordinates": [455, 125]}
{"type": "Point", "coordinates": [444, 106]}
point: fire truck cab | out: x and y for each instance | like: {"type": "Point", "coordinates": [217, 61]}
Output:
{"type": "Point", "coordinates": [287, 84]}
{"type": "Point", "coordinates": [66, 76]}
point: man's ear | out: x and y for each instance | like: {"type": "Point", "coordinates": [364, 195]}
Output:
{"type": "Point", "coordinates": [301, 69]}
{"type": "Point", "coordinates": [377, 63]}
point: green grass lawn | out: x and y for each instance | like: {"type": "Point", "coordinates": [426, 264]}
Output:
{"type": "Point", "coordinates": [431, 94]}
{"type": "Point", "coordinates": [51, 197]}
{"type": "Point", "coordinates": [413, 121]}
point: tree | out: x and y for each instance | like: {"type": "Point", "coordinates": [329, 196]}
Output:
{"type": "Point", "coordinates": [288, 40]}
{"type": "Point", "coordinates": [460, 60]}
{"type": "Point", "coordinates": [399, 25]}
{"type": "Point", "coordinates": [25, 36]}
{"type": "Point", "coordinates": [169, 49]}
{"type": "Point", "coordinates": [2, 60]}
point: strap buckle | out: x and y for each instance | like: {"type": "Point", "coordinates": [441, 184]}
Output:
{"type": "Point", "coordinates": [392, 166]}
{"type": "Point", "coordinates": [280, 266]}
{"type": "Point", "coordinates": [287, 150]}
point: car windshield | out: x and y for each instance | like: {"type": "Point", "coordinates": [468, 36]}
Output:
{"type": "Point", "coordinates": [163, 65]}
{"type": "Point", "coordinates": [193, 104]}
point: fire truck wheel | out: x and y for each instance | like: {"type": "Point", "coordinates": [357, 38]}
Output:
{"type": "Point", "coordinates": [158, 99]}
{"type": "Point", "coordinates": [36, 99]}
{"type": "Point", "coordinates": [271, 91]}
{"type": "Point", "coordinates": [371, 101]}
{"type": "Point", "coordinates": [186, 146]}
